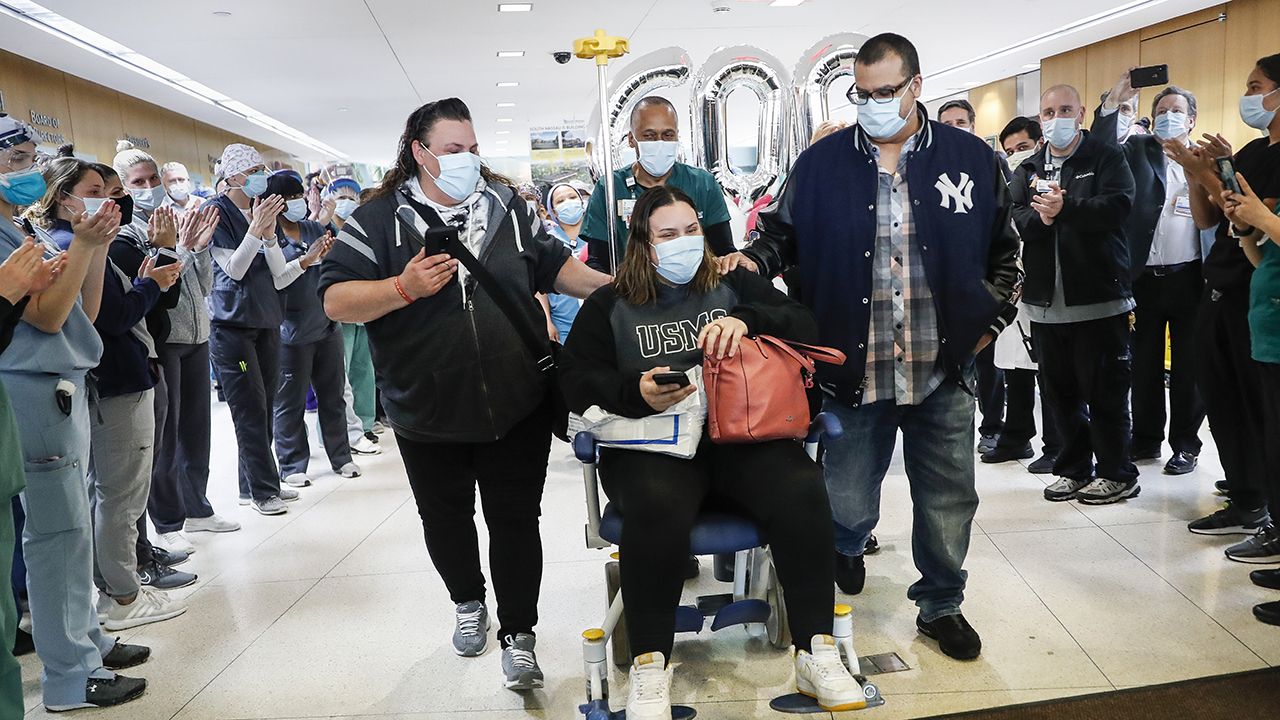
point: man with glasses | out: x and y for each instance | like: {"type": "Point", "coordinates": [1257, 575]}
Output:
{"type": "Point", "coordinates": [901, 230]}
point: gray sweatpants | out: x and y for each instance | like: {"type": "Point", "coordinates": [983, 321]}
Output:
{"type": "Point", "coordinates": [122, 437]}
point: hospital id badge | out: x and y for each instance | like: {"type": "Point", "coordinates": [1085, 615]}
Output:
{"type": "Point", "coordinates": [625, 208]}
{"type": "Point", "coordinates": [1043, 186]}
{"type": "Point", "coordinates": [1182, 206]}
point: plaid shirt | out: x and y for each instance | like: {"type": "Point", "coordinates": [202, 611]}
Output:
{"type": "Point", "coordinates": [902, 340]}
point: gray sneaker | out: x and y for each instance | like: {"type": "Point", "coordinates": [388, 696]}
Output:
{"type": "Point", "coordinates": [519, 664]}
{"type": "Point", "coordinates": [1262, 548]}
{"type": "Point", "coordinates": [1104, 492]}
{"type": "Point", "coordinates": [1064, 489]}
{"type": "Point", "coordinates": [271, 506]}
{"type": "Point", "coordinates": [288, 494]}
{"type": "Point", "coordinates": [470, 635]}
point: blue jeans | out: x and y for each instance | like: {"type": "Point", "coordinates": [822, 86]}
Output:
{"type": "Point", "coordinates": [937, 446]}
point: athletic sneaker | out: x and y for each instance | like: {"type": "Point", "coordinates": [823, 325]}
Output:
{"type": "Point", "coordinates": [1043, 466]}
{"type": "Point", "coordinates": [379, 427]}
{"type": "Point", "coordinates": [100, 693]}
{"type": "Point", "coordinates": [271, 506]}
{"type": "Point", "coordinates": [287, 494]}
{"type": "Point", "coordinates": [1230, 520]}
{"type": "Point", "coordinates": [350, 470]}
{"type": "Point", "coordinates": [1262, 548]}
{"type": "Point", "coordinates": [364, 447]}
{"type": "Point", "coordinates": [470, 633]}
{"type": "Point", "coordinates": [1064, 489]}
{"type": "Point", "coordinates": [297, 480]}
{"type": "Point", "coordinates": [822, 675]}
{"type": "Point", "coordinates": [104, 606]}
{"type": "Point", "coordinates": [150, 606]}
{"type": "Point", "coordinates": [160, 577]}
{"type": "Point", "coordinates": [122, 656]}
{"type": "Point", "coordinates": [650, 695]}
{"type": "Point", "coordinates": [368, 434]}
{"type": "Point", "coordinates": [175, 543]}
{"type": "Point", "coordinates": [168, 558]}
{"type": "Point", "coordinates": [1104, 492]}
{"type": "Point", "coordinates": [519, 664]}
{"type": "Point", "coordinates": [214, 523]}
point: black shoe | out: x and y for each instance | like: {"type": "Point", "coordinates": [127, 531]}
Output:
{"type": "Point", "coordinates": [105, 693]}
{"type": "Point", "coordinates": [23, 643]}
{"type": "Point", "coordinates": [693, 568]}
{"type": "Point", "coordinates": [1144, 452]}
{"type": "Point", "coordinates": [956, 638]}
{"type": "Point", "coordinates": [1268, 612]}
{"type": "Point", "coordinates": [999, 454]}
{"type": "Point", "coordinates": [1261, 578]}
{"type": "Point", "coordinates": [872, 547]}
{"type": "Point", "coordinates": [371, 437]}
{"type": "Point", "coordinates": [158, 576]}
{"type": "Point", "coordinates": [1043, 466]}
{"type": "Point", "coordinates": [168, 558]}
{"type": "Point", "coordinates": [851, 573]}
{"type": "Point", "coordinates": [1181, 464]}
{"type": "Point", "coordinates": [125, 656]}
{"type": "Point", "coordinates": [988, 441]}
{"type": "Point", "coordinates": [1221, 487]}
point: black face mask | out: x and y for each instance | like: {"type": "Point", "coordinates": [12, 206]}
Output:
{"type": "Point", "coordinates": [126, 208]}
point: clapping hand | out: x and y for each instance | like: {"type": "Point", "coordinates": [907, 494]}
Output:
{"type": "Point", "coordinates": [99, 229]}
{"type": "Point", "coordinates": [325, 214]}
{"type": "Point", "coordinates": [19, 271]}
{"type": "Point", "coordinates": [317, 251]}
{"type": "Point", "coordinates": [195, 229]}
{"type": "Point", "coordinates": [162, 230]}
{"type": "Point", "coordinates": [263, 213]}
{"type": "Point", "coordinates": [1048, 203]}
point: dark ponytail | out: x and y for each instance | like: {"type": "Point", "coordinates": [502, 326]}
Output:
{"type": "Point", "coordinates": [1270, 66]}
{"type": "Point", "coordinates": [420, 124]}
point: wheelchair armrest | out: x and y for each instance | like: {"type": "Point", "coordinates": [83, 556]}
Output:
{"type": "Point", "coordinates": [584, 447]}
{"type": "Point", "coordinates": [824, 425]}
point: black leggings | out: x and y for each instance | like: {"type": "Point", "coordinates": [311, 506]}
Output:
{"type": "Point", "coordinates": [511, 473]}
{"type": "Point", "coordinates": [775, 484]}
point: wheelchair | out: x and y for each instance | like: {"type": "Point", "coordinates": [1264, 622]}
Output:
{"type": "Point", "coordinates": [757, 600]}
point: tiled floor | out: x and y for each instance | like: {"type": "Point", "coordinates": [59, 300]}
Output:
{"type": "Point", "coordinates": [334, 610]}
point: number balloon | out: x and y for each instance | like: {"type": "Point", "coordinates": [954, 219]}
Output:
{"type": "Point", "coordinates": [668, 67]}
{"type": "Point", "coordinates": [830, 58]}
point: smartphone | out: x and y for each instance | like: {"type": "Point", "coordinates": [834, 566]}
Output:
{"type": "Point", "coordinates": [1149, 76]}
{"type": "Point", "coordinates": [671, 378]}
{"type": "Point", "coordinates": [1227, 171]}
{"type": "Point", "coordinates": [166, 256]}
{"type": "Point", "coordinates": [439, 239]}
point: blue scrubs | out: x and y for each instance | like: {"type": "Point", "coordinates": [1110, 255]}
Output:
{"type": "Point", "coordinates": [564, 308]}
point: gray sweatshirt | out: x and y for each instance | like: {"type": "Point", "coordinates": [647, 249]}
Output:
{"type": "Point", "coordinates": [190, 319]}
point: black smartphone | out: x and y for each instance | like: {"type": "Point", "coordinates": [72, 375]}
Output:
{"type": "Point", "coordinates": [1227, 171]}
{"type": "Point", "coordinates": [440, 239]}
{"type": "Point", "coordinates": [1149, 76]}
{"type": "Point", "coordinates": [671, 378]}
{"type": "Point", "coordinates": [166, 256]}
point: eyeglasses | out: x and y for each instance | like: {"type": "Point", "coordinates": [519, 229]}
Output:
{"type": "Point", "coordinates": [881, 96]}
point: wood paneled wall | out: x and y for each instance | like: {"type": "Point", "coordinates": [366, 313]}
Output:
{"type": "Point", "coordinates": [1207, 57]}
{"type": "Point", "coordinates": [995, 104]}
{"type": "Point", "coordinates": [94, 117]}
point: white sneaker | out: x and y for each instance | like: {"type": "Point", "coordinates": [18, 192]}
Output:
{"type": "Point", "coordinates": [350, 470]}
{"type": "Point", "coordinates": [379, 427]}
{"type": "Point", "coordinates": [298, 480]}
{"type": "Point", "coordinates": [213, 523]}
{"type": "Point", "coordinates": [104, 606]}
{"type": "Point", "coordinates": [364, 447]}
{"type": "Point", "coordinates": [149, 606]}
{"type": "Point", "coordinates": [823, 676]}
{"type": "Point", "coordinates": [174, 542]}
{"type": "Point", "coordinates": [650, 694]}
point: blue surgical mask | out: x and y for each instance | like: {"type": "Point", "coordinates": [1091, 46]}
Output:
{"type": "Point", "coordinates": [1061, 132]}
{"type": "Point", "coordinates": [679, 259]}
{"type": "Point", "coordinates": [570, 211]}
{"type": "Point", "coordinates": [147, 199]}
{"type": "Point", "coordinates": [1254, 114]}
{"type": "Point", "coordinates": [295, 210]}
{"type": "Point", "coordinates": [22, 187]}
{"type": "Point", "coordinates": [882, 120]}
{"type": "Point", "coordinates": [459, 173]}
{"type": "Point", "coordinates": [344, 207]}
{"type": "Point", "coordinates": [657, 157]}
{"type": "Point", "coordinates": [255, 184]}
{"type": "Point", "coordinates": [1170, 125]}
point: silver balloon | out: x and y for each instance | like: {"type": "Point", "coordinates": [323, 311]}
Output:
{"type": "Point", "coordinates": [726, 70]}
{"type": "Point", "coordinates": [830, 58]}
{"type": "Point", "coordinates": [667, 67]}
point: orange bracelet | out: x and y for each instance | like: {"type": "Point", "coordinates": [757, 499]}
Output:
{"type": "Point", "coordinates": [400, 290]}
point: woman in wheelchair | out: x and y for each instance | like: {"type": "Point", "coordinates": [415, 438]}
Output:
{"type": "Point", "coordinates": [667, 307]}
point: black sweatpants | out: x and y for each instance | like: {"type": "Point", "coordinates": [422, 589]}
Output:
{"type": "Point", "coordinates": [321, 365]}
{"type": "Point", "coordinates": [1085, 369]}
{"type": "Point", "coordinates": [1270, 386]}
{"type": "Point", "coordinates": [180, 478]}
{"type": "Point", "coordinates": [511, 473]}
{"type": "Point", "coordinates": [1170, 301]}
{"type": "Point", "coordinates": [774, 484]}
{"type": "Point", "coordinates": [245, 359]}
{"type": "Point", "coordinates": [990, 392]}
{"type": "Point", "coordinates": [1230, 381]}
{"type": "Point", "coordinates": [1020, 420]}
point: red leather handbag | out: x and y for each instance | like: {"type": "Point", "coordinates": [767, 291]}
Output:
{"type": "Point", "coordinates": [759, 393]}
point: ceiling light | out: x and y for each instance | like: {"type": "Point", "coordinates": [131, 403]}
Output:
{"type": "Point", "coordinates": [82, 37]}
{"type": "Point", "coordinates": [221, 13]}
{"type": "Point", "coordinates": [785, 3]}
{"type": "Point", "coordinates": [504, 120]}
{"type": "Point", "coordinates": [342, 109]}
{"type": "Point", "coordinates": [1031, 66]}
{"type": "Point", "coordinates": [515, 7]}
{"type": "Point", "coordinates": [506, 104]}
{"type": "Point", "coordinates": [508, 84]}
{"type": "Point", "coordinates": [510, 53]}
{"type": "Point", "coordinates": [503, 132]}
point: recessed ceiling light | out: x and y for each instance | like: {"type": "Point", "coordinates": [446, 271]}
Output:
{"type": "Point", "coordinates": [500, 142]}
{"type": "Point", "coordinates": [221, 13]}
{"type": "Point", "coordinates": [510, 53]}
{"type": "Point", "coordinates": [506, 104]}
{"type": "Point", "coordinates": [503, 132]}
{"type": "Point", "coordinates": [515, 7]}
{"type": "Point", "coordinates": [1031, 66]}
{"type": "Point", "coordinates": [785, 3]}
{"type": "Point", "coordinates": [508, 84]}
{"type": "Point", "coordinates": [342, 109]}
{"type": "Point", "coordinates": [504, 120]}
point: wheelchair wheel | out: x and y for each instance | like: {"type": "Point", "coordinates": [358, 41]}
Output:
{"type": "Point", "coordinates": [777, 627]}
{"type": "Point", "coordinates": [620, 644]}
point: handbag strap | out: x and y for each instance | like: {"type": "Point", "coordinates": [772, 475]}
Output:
{"type": "Point", "coordinates": [831, 356]}
{"type": "Point", "coordinates": [540, 352]}
{"type": "Point", "coordinates": [785, 347]}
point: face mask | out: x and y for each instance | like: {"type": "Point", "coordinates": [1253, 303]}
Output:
{"type": "Point", "coordinates": [570, 212]}
{"type": "Point", "coordinates": [1123, 123]}
{"type": "Point", "coordinates": [657, 157]}
{"type": "Point", "coordinates": [1170, 125]}
{"type": "Point", "coordinates": [533, 207]}
{"type": "Point", "coordinates": [180, 190]}
{"type": "Point", "coordinates": [295, 210]}
{"type": "Point", "coordinates": [882, 120]}
{"type": "Point", "coordinates": [91, 205]}
{"type": "Point", "coordinates": [459, 173]}
{"type": "Point", "coordinates": [1061, 132]}
{"type": "Point", "coordinates": [255, 184]}
{"type": "Point", "coordinates": [679, 259]}
{"type": "Point", "coordinates": [1254, 114]}
{"type": "Point", "coordinates": [22, 187]}
{"type": "Point", "coordinates": [344, 207]}
{"type": "Point", "coordinates": [147, 199]}
{"type": "Point", "coordinates": [1018, 158]}
{"type": "Point", "coordinates": [126, 208]}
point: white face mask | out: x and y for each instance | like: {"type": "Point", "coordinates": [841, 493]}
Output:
{"type": "Point", "coordinates": [295, 209]}
{"type": "Point", "coordinates": [180, 190]}
{"type": "Point", "coordinates": [1170, 125]}
{"type": "Point", "coordinates": [147, 199]}
{"type": "Point", "coordinates": [91, 205]}
{"type": "Point", "coordinates": [344, 207]}
{"type": "Point", "coordinates": [659, 156]}
{"type": "Point", "coordinates": [1018, 158]}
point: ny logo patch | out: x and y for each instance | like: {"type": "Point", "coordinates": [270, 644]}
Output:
{"type": "Point", "coordinates": [961, 194]}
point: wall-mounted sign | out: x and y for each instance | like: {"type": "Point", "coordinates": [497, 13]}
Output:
{"type": "Point", "coordinates": [38, 119]}
{"type": "Point", "coordinates": [137, 141]}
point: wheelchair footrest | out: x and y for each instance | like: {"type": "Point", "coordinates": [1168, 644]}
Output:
{"type": "Point", "coordinates": [797, 704]}
{"type": "Point", "coordinates": [740, 613]}
{"type": "Point", "coordinates": [689, 619]}
{"type": "Point", "coordinates": [711, 604]}
{"type": "Point", "coordinates": [593, 712]}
